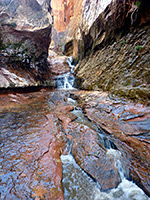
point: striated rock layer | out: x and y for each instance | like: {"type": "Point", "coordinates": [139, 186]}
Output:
{"type": "Point", "coordinates": [62, 11]}
{"type": "Point", "coordinates": [121, 68]}
{"type": "Point", "coordinates": [25, 28]}
{"type": "Point", "coordinates": [114, 49]}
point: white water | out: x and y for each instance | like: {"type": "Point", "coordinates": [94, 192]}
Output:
{"type": "Point", "coordinates": [126, 190]}
{"type": "Point", "coordinates": [79, 186]}
{"type": "Point", "coordinates": [116, 158]}
{"type": "Point", "coordinates": [69, 62]}
{"type": "Point", "coordinates": [66, 81]}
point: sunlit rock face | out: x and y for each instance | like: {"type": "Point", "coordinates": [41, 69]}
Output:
{"type": "Point", "coordinates": [25, 28]}
{"type": "Point", "coordinates": [91, 11]}
{"type": "Point", "coordinates": [96, 22]}
{"type": "Point", "coordinates": [85, 13]}
{"type": "Point", "coordinates": [62, 12]}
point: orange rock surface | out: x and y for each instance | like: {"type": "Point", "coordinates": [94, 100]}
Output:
{"type": "Point", "coordinates": [62, 12]}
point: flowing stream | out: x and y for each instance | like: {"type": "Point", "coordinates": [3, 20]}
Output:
{"type": "Point", "coordinates": [66, 81]}
{"type": "Point", "coordinates": [24, 142]}
{"type": "Point", "coordinates": [79, 185]}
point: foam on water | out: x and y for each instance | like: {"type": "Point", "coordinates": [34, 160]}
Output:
{"type": "Point", "coordinates": [116, 158]}
{"type": "Point", "coordinates": [78, 185]}
{"type": "Point", "coordinates": [126, 190]}
{"type": "Point", "coordinates": [65, 81]}
{"type": "Point", "coordinates": [69, 62]}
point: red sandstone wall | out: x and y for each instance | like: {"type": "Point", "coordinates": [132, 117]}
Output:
{"type": "Point", "coordinates": [62, 11]}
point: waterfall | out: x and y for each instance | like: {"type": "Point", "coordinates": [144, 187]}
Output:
{"type": "Point", "coordinates": [69, 62]}
{"type": "Point", "coordinates": [66, 81]}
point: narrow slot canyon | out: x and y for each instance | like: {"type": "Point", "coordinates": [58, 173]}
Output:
{"type": "Point", "coordinates": [74, 100]}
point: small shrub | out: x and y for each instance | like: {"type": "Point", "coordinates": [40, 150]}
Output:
{"type": "Point", "coordinates": [138, 47]}
{"type": "Point", "coordinates": [123, 41]}
{"type": "Point", "coordinates": [137, 3]}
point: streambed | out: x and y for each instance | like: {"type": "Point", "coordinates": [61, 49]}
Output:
{"type": "Point", "coordinates": [36, 160]}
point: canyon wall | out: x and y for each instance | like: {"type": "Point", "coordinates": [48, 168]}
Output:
{"type": "Point", "coordinates": [25, 27]}
{"type": "Point", "coordinates": [62, 11]}
{"type": "Point", "coordinates": [113, 47]}
{"type": "Point", "coordinates": [85, 13]}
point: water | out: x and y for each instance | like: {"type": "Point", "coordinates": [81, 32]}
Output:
{"type": "Point", "coordinates": [69, 62]}
{"type": "Point", "coordinates": [116, 158]}
{"type": "Point", "coordinates": [126, 190]}
{"type": "Point", "coordinates": [28, 126]}
{"type": "Point", "coordinates": [84, 120]}
{"type": "Point", "coordinates": [79, 186]}
{"type": "Point", "coordinates": [65, 81]}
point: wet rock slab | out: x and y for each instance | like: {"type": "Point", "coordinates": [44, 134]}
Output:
{"type": "Point", "coordinates": [127, 124]}
{"type": "Point", "coordinates": [31, 145]}
{"type": "Point", "coordinates": [38, 127]}
{"type": "Point", "coordinates": [92, 156]}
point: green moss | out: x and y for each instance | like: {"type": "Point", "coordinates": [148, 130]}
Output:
{"type": "Point", "coordinates": [138, 47]}
{"type": "Point", "coordinates": [75, 61]}
{"type": "Point", "coordinates": [13, 24]}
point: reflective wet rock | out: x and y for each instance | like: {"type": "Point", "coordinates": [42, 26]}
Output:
{"type": "Point", "coordinates": [90, 154]}
{"type": "Point", "coordinates": [38, 127]}
{"type": "Point", "coordinates": [31, 144]}
{"type": "Point", "coordinates": [127, 125]}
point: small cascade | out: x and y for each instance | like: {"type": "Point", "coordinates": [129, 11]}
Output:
{"type": "Point", "coordinates": [77, 184]}
{"type": "Point", "coordinates": [66, 81]}
{"type": "Point", "coordinates": [116, 158]}
{"type": "Point", "coordinates": [69, 62]}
